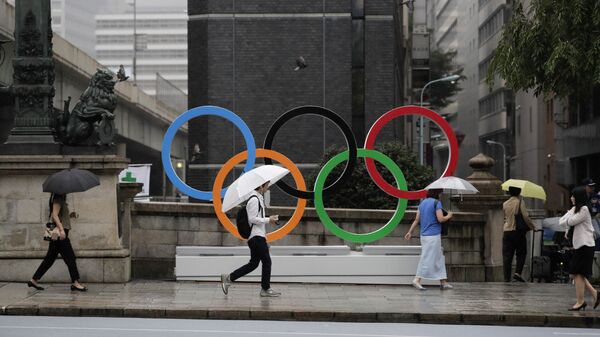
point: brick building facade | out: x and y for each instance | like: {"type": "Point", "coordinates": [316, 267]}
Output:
{"type": "Point", "coordinates": [242, 56]}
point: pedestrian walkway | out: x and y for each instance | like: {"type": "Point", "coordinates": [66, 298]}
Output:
{"type": "Point", "coordinates": [519, 304]}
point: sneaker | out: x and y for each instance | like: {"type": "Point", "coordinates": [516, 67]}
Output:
{"type": "Point", "coordinates": [269, 293]}
{"type": "Point", "coordinates": [518, 278]}
{"type": "Point", "coordinates": [225, 283]}
{"type": "Point", "coordinates": [418, 285]}
{"type": "Point", "coordinates": [446, 286]}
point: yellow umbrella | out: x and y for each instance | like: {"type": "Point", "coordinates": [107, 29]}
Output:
{"type": "Point", "coordinates": [528, 189]}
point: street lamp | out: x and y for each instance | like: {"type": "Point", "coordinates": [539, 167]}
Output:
{"type": "Point", "coordinates": [451, 78]}
{"type": "Point", "coordinates": [134, 65]}
{"type": "Point", "coordinates": [491, 142]}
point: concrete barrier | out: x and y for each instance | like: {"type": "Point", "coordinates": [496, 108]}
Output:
{"type": "Point", "coordinates": [304, 264]}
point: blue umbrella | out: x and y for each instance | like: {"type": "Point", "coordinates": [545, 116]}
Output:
{"type": "Point", "coordinates": [71, 180]}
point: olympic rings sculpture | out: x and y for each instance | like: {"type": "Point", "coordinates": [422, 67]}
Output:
{"type": "Point", "coordinates": [300, 192]}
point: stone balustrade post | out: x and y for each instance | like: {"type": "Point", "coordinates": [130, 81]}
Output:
{"type": "Point", "coordinates": [488, 202]}
{"type": "Point", "coordinates": [126, 193]}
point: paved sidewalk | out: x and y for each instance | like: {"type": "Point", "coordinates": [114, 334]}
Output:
{"type": "Point", "coordinates": [519, 304]}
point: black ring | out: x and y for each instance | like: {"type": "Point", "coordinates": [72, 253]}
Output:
{"type": "Point", "coordinates": [338, 121]}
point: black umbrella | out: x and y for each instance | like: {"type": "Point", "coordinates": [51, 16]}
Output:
{"type": "Point", "coordinates": [71, 180]}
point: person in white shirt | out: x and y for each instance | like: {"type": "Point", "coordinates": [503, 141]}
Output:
{"type": "Point", "coordinates": [257, 242]}
{"type": "Point", "coordinates": [583, 242]}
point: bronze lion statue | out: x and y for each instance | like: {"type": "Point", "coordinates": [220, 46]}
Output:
{"type": "Point", "coordinates": [91, 122]}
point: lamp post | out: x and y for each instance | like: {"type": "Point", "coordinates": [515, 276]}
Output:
{"type": "Point", "coordinates": [491, 142]}
{"type": "Point", "coordinates": [443, 79]}
{"type": "Point", "coordinates": [134, 42]}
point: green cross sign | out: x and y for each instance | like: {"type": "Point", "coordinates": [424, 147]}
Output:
{"type": "Point", "coordinates": [129, 178]}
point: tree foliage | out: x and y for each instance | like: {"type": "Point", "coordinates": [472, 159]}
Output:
{"type": "Point", "coordinates": [553, 48]}
{"type": "Point", "coordinates": [441, 64]}
{"type": "Point", "coordinates": [360, 191]}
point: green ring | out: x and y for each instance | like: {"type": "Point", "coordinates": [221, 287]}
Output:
{"type": "Point", "coordinates": [355, 237]}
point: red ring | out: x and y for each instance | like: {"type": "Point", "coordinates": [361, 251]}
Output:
{"type": "Point", "coordinates": [386, 118]}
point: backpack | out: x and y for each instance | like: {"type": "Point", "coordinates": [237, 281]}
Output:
{"type": "Point", "coordinates": [241, 221]}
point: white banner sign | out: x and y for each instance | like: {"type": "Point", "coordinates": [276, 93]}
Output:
{"type": "Point", "coordinates": [137, 173]}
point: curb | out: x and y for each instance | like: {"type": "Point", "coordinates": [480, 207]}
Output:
{"type": "Point", "coordinates": [573, 321]}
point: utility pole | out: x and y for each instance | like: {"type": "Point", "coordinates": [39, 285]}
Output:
{"type": "Point", "coordinates": [134, 42]}
{"type": "Point", "coordinates": [399, 54]}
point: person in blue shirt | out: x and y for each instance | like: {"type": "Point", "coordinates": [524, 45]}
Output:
{"type": "Point", "coordinates": [432, 265]}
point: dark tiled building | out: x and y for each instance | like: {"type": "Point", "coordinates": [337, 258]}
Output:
{"type": "Point", "coordinates": [242, 55]}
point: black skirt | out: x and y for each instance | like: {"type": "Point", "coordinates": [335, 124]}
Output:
{"type": "Point", "coordinates": [582, 261]}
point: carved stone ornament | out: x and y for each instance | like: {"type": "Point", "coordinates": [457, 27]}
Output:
{"type": "Point", "coordinates": [29, 43]}
{"type": "Point", "coordinates": [91, 122]}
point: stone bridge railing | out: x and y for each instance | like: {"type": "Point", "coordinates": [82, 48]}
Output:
{"type": "Point", "coordinates": [157, 228]}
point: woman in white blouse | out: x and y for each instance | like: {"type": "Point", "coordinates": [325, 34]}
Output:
{"type": "Point", "coordinates": [583, 243]}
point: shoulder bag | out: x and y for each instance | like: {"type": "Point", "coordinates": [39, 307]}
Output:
{"type": "Point", "coordinates": [520, 223]}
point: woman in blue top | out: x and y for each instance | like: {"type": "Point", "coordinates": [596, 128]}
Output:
{"type": "Point", "coordinates": [430, 216]}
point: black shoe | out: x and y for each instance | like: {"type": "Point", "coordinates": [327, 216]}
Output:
{"type": "Point", "coordinates": [32, 285]}
{"type": "Point", "coordinates": [597, 299]}
{"type": "Point", "coordinates": [518, 278]}
{"type": "Point", "coordinates": [74, 288]}
{"type": "Point", "coordinates": [581, 307]}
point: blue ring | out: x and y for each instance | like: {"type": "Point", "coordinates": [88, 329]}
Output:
{"type": "Point", "coordinates": [186, 116]}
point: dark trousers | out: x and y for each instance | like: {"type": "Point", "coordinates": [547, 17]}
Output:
{"type": "Point", "coordinates": [64, 248]}
{"type": "Point", "coordinates": [259, 252]}
{"type": "Point", "coordinates": [513, 241]}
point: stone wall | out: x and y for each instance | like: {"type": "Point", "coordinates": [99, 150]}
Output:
{"type": "Point", "coordinates": [157, 228]}
{"type": "Point", "coordinates": [24, 210]}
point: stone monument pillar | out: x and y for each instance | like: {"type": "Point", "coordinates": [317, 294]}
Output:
{"type": "Point", "coordinates": [488, 202]}
{"type": "Point", "coordinates": [32, 153]}
{"type": "Point", "coordinates": [101, 253]}
{"type": "Point", "coordinates": [33, 78]}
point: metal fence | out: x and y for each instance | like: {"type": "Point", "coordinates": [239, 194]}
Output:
{"type": "Point", "coordinates": [170, 95]}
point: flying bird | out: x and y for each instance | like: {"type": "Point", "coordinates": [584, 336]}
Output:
{"type": "Point", "coordinates": [300, 63]}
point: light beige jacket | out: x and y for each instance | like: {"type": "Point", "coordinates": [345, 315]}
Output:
{"type": "Point", "coordinates": [510, 209]}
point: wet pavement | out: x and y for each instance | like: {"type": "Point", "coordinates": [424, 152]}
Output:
{"type": "Point", "coordinates": [515, 304]}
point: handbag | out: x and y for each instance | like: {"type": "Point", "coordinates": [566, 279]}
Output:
{"type": "Point", "coordinates": [51, 232]}
{"type": "Point", "coordinates": [444, 224]}
{"type": "Point", "coordinates": [520, 220]}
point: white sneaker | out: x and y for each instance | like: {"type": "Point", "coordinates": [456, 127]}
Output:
{"type": "Point", "coordinates": [225, 283]}
{"type": "Point", "coordinates": [269, 293]}
{"type": "Point", "coordinates": [418, 285]}
{"type": "Point", "coordinates": [446, 286]}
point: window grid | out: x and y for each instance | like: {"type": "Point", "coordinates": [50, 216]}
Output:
{"type": "Point", "coordinates": [492, 103]}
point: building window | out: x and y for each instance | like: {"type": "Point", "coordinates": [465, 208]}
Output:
{"type": "Point", "coordinates": [484, 66]}
{"type": "Point", "coordinates": [492, 103]}
{"type": "Point", "coordinates": [584, 112]}
{"type": "Point", "coordinates": [530, 120]}
{"type": "Point", "coordinates": [491, 26]}
{"type": "Point", "coordinates": [550, 111]}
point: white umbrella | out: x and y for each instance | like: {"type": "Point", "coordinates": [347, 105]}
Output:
{"type": "Point", "coordinates": [553, 224]}
{"type": "Point", "coordinates": [240, 190]}
{"type": "Point", "coordinates": [453, 185]}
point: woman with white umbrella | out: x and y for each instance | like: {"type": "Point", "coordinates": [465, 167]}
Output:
{"type": "Point", "coordinates": [430, 216]}
{"type": "Point", "coordinates": [251, 187]}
